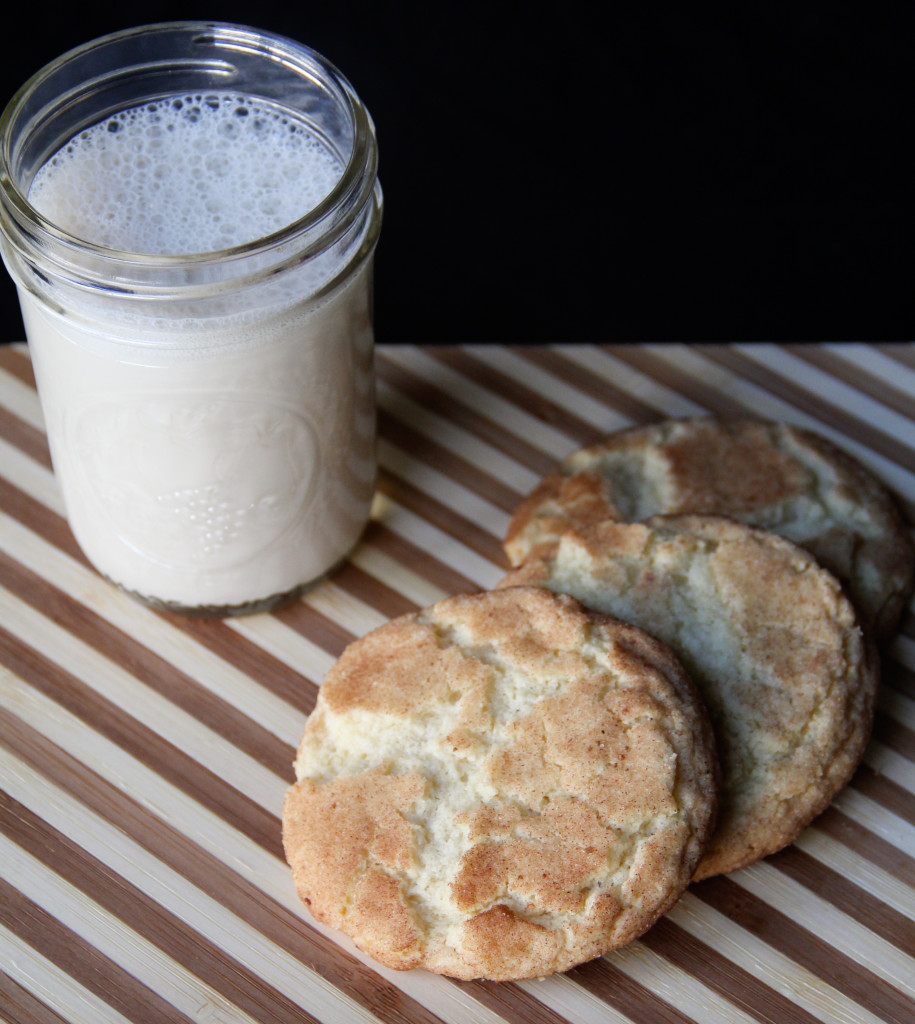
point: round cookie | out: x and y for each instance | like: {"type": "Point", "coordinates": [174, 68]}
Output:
{"type": "Point", "coordinates": [776, 476]}
{"type": "Point", "coordinates": [771, 641]}
{"type": "Point", "coordinates": [500, 786]}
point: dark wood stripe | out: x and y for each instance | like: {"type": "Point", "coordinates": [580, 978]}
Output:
{"type": "Point", "coordinates": [21, 1007]}
{"type": "Point", "coordinates": [155, 672]}
{"type": "Point", "coordinates": [894, 735]}
{"type": "Point", "coordinates": [723, 976]}
{"type": "Point", "coordinates": [40, 519]}
{"type": "Point", "coordinates": [450, 406]}
{"type": "Point", "coordinates": [856, 376]}
{"type": "Point", "coordinates": [286, 929]}
{"type": "Point", "coordinates": [506, 387]}
{"type": "Point", "coordinates": [330, 636]}
{"type": "Point", "coordinates": [810, 403]}
{"type": "Point", "coordinates": [897, 677]}
{"type": "Point", "coordinates": [113, 722]}
{"type": "Point", "coordinates": [556, 363]}
{"type": "Point", "coordinates": [25, 437]}
{"type": "Point", "coordinates": [423, 563]}
{"type": "Point", "coordinates": [804, 947]}
{"type": "Point", "coordinates": [720, 404]}
{"type": "Point", "coordinates": [224, 973]}
{"type": "Point", "coordinates": [373, 592]}
{"type": "Point", "coordinates": [445, 461]}
{"type": "Point", "coordinates": [835, 888]}
{"type": "Point", "coordinates": [602, 978]}
{"type": "Point", "coordinates": [18, 364]}
{"type": "Point", "coordinates": [664, 372]}
{"type": "Point", "coordinates": [885, 791]}
{"type": "Point", "coordinates": [510, 1002]}
{"type": "Point", "coordinates": [212, 634]}
{"type": "Point", "coordinates": [92, 969]}
{"type": "Point", "coordinates": [902, 352]}
{"type": "Point", "coordinates": [446, 519]}
{"type": "Point", "coordinates": [867, 844]}
{"type": "Point", "coordinates": [269, 671]}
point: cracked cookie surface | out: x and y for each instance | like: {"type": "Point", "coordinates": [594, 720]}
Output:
{"type": "Point", "coordinates": [502, 786]}
{"type": "Point", "coordinates": [771, 641]}
{"type": "Point", "coordinates": [773, 475]}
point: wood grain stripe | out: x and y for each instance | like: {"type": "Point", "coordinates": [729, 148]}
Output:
{"type": "Point", "coordinates": [809, 403]}
{"type": "Point", "coordinates": [109, 720]}
{"type": "Point", "coordinates": [903, 353]}
{"type": "Point", "coordinates": [418, 560]}
{"type": "Point", "coordinates": [829, 885]}
{"type": "Point", "coordinates": [704, 394]}
{"type": "Point", "coordinates": [40, 519]}
{"type": "Point", "coordinates": [510, 1002]}
{"type": "Point", "coordinates": [894, 735]}
{"type": "Point", "coordinates": [316, 627]}
{"type": "Point", "coordinates": [25, 437]}
{"type": "Point", "coordinates": [92, 969]}
{"type": "Point", "coordinates": [885, 855]}
{"type": "Point", "coordinates": [16, 362]}
{"type": "Point", "coordinates": [472, 477]}
{"type": "Point", "coordinates": [373, 591]}
{"type": "Point", "coordinates": [22, 1007]}
{"type": "Point", "coordinates": [720, 974]}
{"type": "Point", "coordinates": [499, 383]}
{"type": "Point", "coordinates": [222, 972]}
{"type": "Point", "coordinates": [811, 951]}
{"type": "Point", "coordinates": [155, 672]}
{"type": "Point", "coordinates": [617, 989]}
{"type": "Point", "coordinates": [450, 406]}
{"type": "Point", "coordinates": [618, 399]}
{"type": "Point", "coordinates": [856, 376]}
{"type": "Point", "coordinates": [288, 930]}
{"type": "Point", "coordinates": [158, 803]}
{"type": "Point", "coordinates": [285, 682]}
{"type": "Point", "coordinates": [446, 519]}
{"type": "Point", "coordinates": [884, 791]}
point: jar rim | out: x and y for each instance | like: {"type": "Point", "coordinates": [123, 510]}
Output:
{"type": "Point", "coordinates": [351, 191]}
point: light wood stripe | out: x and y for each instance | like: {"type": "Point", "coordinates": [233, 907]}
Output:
{"type": "Point", "coordinates": [424, 393]}
{"type": "Point", "coordinates": [228, 980]}
{"type": "Point", "coordinates": [502, 464]}
{"type": "Point", "coordinates": [261, 895]}
{"type": "Point", "coordinates": [143, 756]}
{"type": "Point", "coordinates": [873, 848]}
{"type": "Point", "coordinates": [812, 950]}
{"type": "Point", "coordinates": [778, 373]}
{"type": "Point", "coordinates": [853, 366]}
{"type": "Point", "coordinates": [513, 422]}
{"type": "Point", "coordinates": [92, 968]}
{"type": "Point", "coordinates": [469, 363]}
{"type": "Point", "coordinates": [42, 993]}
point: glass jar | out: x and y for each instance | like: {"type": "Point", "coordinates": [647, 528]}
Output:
{"type": "Point", "coordinates": [211, 413]}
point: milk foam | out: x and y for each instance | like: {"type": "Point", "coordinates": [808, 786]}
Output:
{"type": "Point", "coordinates": [186, 174]}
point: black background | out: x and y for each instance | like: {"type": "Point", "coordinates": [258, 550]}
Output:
{"type": "Point", "coordinates": [579, 172]}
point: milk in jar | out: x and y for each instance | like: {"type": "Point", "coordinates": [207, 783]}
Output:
{"type": "Point", "coordinates": [214, 440]}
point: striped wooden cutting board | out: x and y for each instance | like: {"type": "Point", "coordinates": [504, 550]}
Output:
{"type": "Point", "coordinates": [143, 757]}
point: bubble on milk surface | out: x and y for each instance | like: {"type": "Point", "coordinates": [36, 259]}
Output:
{"type": "Point", "coordinates": [186, 174]}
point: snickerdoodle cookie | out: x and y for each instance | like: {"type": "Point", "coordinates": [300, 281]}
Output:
{"type": "Point", "coordinates": [771, 641]}
{"type": "Point", "coordinates": [502, 786]}
{"type": "Point", "coordinates": [780, 477]}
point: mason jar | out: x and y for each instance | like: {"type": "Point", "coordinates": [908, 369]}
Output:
{"type": "Point", "coordinates": [208, 396]}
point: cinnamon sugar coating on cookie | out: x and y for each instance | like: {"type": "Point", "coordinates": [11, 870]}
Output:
{"type": "Point", "coordinates": [773, 475]}
{"type": "Point", "coordinates": [500, 786]}
{"type": "Point", "coordinates": [772, 642]}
